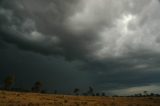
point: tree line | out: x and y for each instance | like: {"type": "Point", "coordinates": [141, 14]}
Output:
{"type": "Point", "coordinates": [10, 80]}
{"type": "Point", "coordinates": [37, 88]}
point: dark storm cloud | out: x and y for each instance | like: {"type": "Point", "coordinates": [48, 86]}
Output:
{"type": "Point", "coordinates": [32, 27]}
{"type": "Point", "coordinates": [72, 29]}
{"type": "Point", "coordinates": [112, 44]}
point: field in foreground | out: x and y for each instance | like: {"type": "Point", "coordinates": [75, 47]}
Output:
{"type": "Point", "coordinates": [35, 99]}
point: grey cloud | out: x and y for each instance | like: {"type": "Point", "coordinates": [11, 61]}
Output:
{"type": "Point", "coordinates": [95, 30]}
{"type": "Point", "coordinates": [47, 24]}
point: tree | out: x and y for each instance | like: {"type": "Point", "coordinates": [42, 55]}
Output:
{"type": "Point", "coordinates": [103, 94]}
{"type": "Point", "coordinates": [97, 94]}
{"type": "Point", "coordinates": [37, 86]}
{"type": "Point", "coordinates": [8, 82]}
{"type": "Point", "coordinates": [90, 92]}
{"type": "Point", "coordinates": [55, 91]}
{"type": "Point", "coordinates": [145, 93]}
{"type": "Point", "coordinates": [76, 90]}
{"type": "Point", "coordinates": [152, 94]}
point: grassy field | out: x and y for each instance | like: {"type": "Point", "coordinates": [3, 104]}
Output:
{"type": "Point", "coordinates": [36, 99]}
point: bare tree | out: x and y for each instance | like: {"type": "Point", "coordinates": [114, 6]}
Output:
{"type": "Point", "coordinates": [37, 86]}
{"type": "Point", "coordinates": [8, 82]}
{"type": "Point", "coordinates": [97, 94]}
{"type": "Point", "coordinates": [76, 90]}
{"type": "Point", "coordinates": [145, 93]}
{"type": "Point", "coordinates": [90, 92]}
{"type": "Point", "coordinates": [103, 94]}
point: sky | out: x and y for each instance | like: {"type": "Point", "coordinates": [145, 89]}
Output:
{"type": "Point", "coordinates": [111, 45]}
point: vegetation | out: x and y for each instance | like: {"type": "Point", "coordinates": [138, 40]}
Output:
{"type": "Point", "coordinates": [90, 91]}
{"type": "Point", "coordinates": [37, 86]}
{"type": "Point", "coordinates": [8, 82]}
{"type": "Point", "coordinates": [36, 99]}
{"type": "Point", "coordinates": [76, 91]}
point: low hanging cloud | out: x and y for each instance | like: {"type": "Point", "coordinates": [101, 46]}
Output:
{"type": "Point", "coordinates": [112, 39]}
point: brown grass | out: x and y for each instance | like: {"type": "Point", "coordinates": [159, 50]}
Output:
{"type": "Point", "coordinates": [36, 99]}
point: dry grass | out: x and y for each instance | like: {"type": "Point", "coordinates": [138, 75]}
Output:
{"type": "Point", "coordinates": [35, 99]}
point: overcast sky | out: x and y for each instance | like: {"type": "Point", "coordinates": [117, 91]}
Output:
{"type": "Point", "coordinates": [112, 45]}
